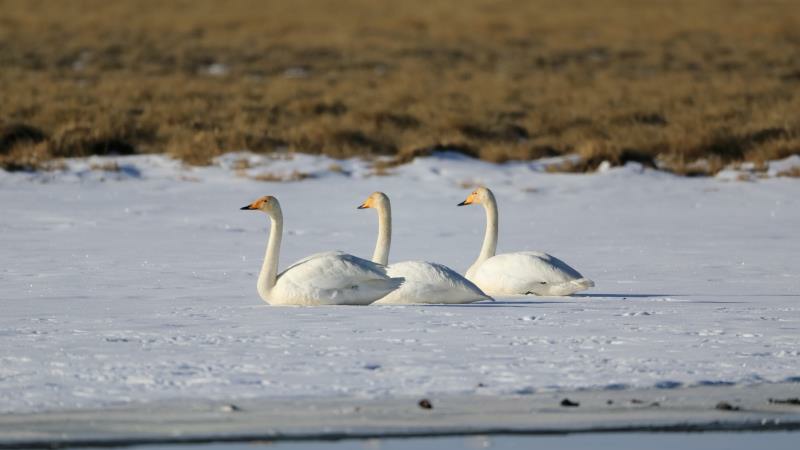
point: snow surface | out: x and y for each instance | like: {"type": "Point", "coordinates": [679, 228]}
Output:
{"type": "Point", "coordinates": [595, 441]}
{"type": "Point", "coordinates": [138, 283]}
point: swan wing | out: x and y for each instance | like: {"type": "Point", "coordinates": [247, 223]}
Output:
{"type": "Point", "coordinates": [427, 282]}
{"type": "Point", "coordinates": [310, 258]}
{"type": "Point", "coordinates": [333, 278]}
{"type": "Point", "coordinates": [528, 272]}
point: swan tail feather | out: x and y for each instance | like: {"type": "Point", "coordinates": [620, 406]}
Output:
{"type": "Point", "coordinates": [388, 285]}
{"type": "Point", "coordinates": [569, 287]}
{"type": "Point", "coordinates": [398, 281]}
{"type": "Point", "coordinates": [367, 292]}
{"type": "Point", "coordinates": [581, 284]}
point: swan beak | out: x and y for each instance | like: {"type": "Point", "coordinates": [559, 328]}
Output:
{"type": "Point", "coordinates": [248, 207]}
{"type": "Point", "coordinates": [367, 204]}
{"type": "Point", "coordinates": [468, 201]}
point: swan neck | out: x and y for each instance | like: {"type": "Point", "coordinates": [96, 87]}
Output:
{"type": "Point", "coordinates": [269, 269]}
{"type": "Point", "coordinates": [381, 253]}
{"type": "Point", "coordinates": [490, 237]}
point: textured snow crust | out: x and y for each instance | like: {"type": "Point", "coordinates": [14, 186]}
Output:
{"type": "Point", "coordinates": [133, 279]}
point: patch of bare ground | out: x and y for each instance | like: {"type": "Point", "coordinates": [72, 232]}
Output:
{"type": "Point", "coordinates": [794, 172]}
{"type": "Point", "coordinates": [685, 86]}
{"type": "Point", "coordinates": [295, 175]}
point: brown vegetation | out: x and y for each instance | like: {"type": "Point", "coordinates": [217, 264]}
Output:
{"type": "Point", "coordinates": [794, 172]}
{"type": "Point", "coordinates": [665, 83]}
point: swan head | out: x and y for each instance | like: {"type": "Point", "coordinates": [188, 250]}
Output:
{"type": "Point", "coordinates": [267, 204]}
{"type": "Point", "coordinates": [375, 200]}
{"type": "Point", "coordinates": [480, 195]}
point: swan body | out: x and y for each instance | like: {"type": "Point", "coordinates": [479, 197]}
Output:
{"type": "Point", "coordinates": [428, 282]}
{"type": "Point", "coordinates": [425, 282]}
{"type": "Point", "coordinates": [330, 278]}
{"type": "Point", "coordinates": [528, 273]}
{"type": "Point", "coordinates": [518, 273]}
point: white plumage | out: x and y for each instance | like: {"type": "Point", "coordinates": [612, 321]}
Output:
{"type": "Point", "coordinates": [425, 282]}
{"type": "Point", "coordinates": [428, 282]}
{"type": "Point", "coordinates": [528, 273]}
{"type": "Point", "coordinates": [518, 273]}
{"type": "Point", "coordinates": [330, 278]}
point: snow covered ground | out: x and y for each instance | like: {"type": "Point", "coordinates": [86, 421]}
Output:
{"type": "Point", "coordinates": [133, 279]}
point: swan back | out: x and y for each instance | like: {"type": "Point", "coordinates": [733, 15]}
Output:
{"type": "Point", "coordinates": [332, 278]}
{"type": "Point", "coordinates": [527, 273]}
{"type": "Point", "coordinates": [428, 282]}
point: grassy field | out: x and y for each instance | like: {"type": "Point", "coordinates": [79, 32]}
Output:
{"type": "Point", "coordinates": [685, 85]}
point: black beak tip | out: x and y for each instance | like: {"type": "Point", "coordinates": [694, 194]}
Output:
{"type": "Point", "coordinates": [361, 207]}
{"type": "Point", "coordinates": [245, 208]}
{"type": "Point", "coordinates": [464, 203]}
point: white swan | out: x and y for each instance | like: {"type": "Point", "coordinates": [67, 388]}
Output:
{"type": "Point", "coordinates": [425, 282]}
{"type": "Point", "coordinates": [332, 278]}
{"type": "Point", "coordinates": [520, 272]}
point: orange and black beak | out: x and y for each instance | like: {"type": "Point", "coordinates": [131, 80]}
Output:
{"type": "Point", "coordinates": [367, 204]}
{"type": "Point", "coordinates": [248, 207]}
{"type": "Point", "coordinates": [468, 201]}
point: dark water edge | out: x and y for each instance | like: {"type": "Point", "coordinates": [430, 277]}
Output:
{"type": "Point", "coordinates": [776, 440]}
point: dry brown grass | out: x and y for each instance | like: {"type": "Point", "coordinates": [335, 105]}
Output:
{"type": "Point", "coordinates": [295, 175]}
{"type": "Point", "coordinates": [794, 172]}
{"type": "Point", "coordinates": [665, 83]}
